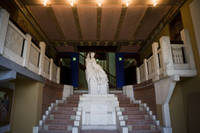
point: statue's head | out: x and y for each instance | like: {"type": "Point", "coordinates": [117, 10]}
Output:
{"type": "Point", "coordinates": [92, 54]}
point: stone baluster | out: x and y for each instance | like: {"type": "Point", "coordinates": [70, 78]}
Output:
{"type": "Point", "coordinates": [155, 60]}
{"type": "Point", "coordinates": [27, 46]}
{"type": "Point", "coordinates": [4, 20]}
{"type": "Point", "coordinates": [167, 58]}
{"type": "Point", "coordinates": [145, 69]}
{"type": "Point", "coordinates": [51, 69]}
{"type": "Point", "coordinates": [58, 75]}
{"type": "Point", "coordinates": [138, 75]}
{"type": "Point", "coordinates": [42, 55]}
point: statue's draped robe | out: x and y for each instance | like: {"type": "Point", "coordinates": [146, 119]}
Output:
{"type": "Point", "coordinates": [96, 78]}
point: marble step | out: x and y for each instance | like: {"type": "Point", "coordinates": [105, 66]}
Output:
{"type": "Point", "coordinates": [140, 117]}
{"type": "Point", "coordinates": [134, 112]}
{"type": "Point", "coordinates": [64, 112]}
{"type": "Point", "coordinates": [145, 131]}
{"type": "Point", "coordinates": [59, 122]}
{"type": "Point", "coordinates": [53, 131]}
{"type": "Point", "coordinates": [60, 116]}
{"type": "Point", "coordinates": [67, 105]}
{"type": "Point", "coordinates": [99, 131]}
{"type": "Point", "coordinates": [128, 105]}
{"type": "Point", "coordinates": [135, 121]}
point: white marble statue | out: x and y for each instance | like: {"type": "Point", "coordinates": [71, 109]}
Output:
{"type": "Point", "coordinates": [96, 77]}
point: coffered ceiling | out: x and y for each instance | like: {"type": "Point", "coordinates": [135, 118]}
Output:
{"type": "Point", "coordinates": [87, 24]}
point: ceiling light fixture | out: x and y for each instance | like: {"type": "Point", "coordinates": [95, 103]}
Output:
{"type": "Point", "coordinates": [126, 2]}
{"type": "Point", "coordinates": [99, 2]}
{"type": "Point", "coordinates": [72, 2]}
{"type": "Point", "coordinates": [45, 2]}
{"type": "Point", "coordinates": [155, 3]}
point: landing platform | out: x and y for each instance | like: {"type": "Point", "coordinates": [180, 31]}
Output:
{"type": "Point", "coordinates": [98, 111]}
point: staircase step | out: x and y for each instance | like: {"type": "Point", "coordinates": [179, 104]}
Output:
{"type": "Point", "coordinates": [59, 122]}
{"type": "Point", "coordinates": [145, 131]}
{"type": "Point", "coordinates": [135, 121]}
{"type": "Point", "coordinates": [99, 131]}
{"type": "Point", "coordinates": [54, 131]}
{"type": "Point", "coordinates": [134, 112]}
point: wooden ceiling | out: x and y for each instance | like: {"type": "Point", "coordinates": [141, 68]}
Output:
{"type": "Point", "coordinates": [86, 24]}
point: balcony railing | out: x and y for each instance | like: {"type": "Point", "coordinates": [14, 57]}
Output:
{"type": "Point", "coordinates": [19, 48]}
{"type": "Point", "coordinates": [168, 60]}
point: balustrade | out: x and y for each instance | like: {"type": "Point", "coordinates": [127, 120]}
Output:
{"type": "Point", "coordinates": [168, 60]}
{"type": "Point", "coordinates": [19, 48]}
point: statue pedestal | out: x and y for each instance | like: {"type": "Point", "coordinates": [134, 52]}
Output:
{"type": "Point", "coordinates": [98, 111]}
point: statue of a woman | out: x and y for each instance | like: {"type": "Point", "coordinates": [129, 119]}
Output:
{"type": "Point", "coordinates": [96, 77]}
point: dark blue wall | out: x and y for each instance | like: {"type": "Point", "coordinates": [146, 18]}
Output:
{"type": "Point", "coordinates": [120, 69]}
{"type": "Point", "coordinates": [74, 68]}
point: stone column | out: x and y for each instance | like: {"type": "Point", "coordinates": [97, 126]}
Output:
{"type": "Point", "coordinates": [42, 55]}
{"type": "Point", "coordinates": [167, 58]}
{"type": "Point", "coordinates": [27, 46]}
{"type": "Point", "coordinates": [4, 20]}
{"type": "Point", "coordinates": [155, 60]}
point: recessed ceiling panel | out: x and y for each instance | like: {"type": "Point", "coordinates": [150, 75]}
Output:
{"type": "Point", "coordinates": [109, 21]}
{"type": "Point", "coordinates": [88, 21]}
{"type": "Point", "coordinates": [150, 21]}
{"type": "Point", "coordinates": [131, 21]}
{"type": "Point", "coordinates": [66, 21]}
{"type": "Point", "coordinates": [42, 15]}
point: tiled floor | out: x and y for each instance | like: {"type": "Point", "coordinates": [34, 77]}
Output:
{"type": "Point", "coordinates": [99, 131]}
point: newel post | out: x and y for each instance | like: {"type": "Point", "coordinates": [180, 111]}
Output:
{"type": "Point", "coordinates": [138, 75]}
{"type": "Point", "coordinates": [167, 58]}
{"type": "Point", "coordinates": [4, 20]}
{"type": "Point", "coordinates": [42, 55]}
{"type": "Point", "coordinates": [145, 69]}
{"type": "Point", "coordinates": [155, 60]}
{"type": "Point", "coordinates": [27, 47]}
{"type": "Point", "coordinates": [51, 69]}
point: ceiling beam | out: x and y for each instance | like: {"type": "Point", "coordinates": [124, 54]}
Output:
{"type": "Point", "coordinates": [97, 43]}
{"type": "Point", "coordinates": [165, 20]}
{"type": "Point", "coordinates": [141, 21]}
{"type": "Point", "coordinates": [99, 14]}
{"type": "Point", "coordinates": [77, 22]}
{"type": "Point", "coordinates": [121, 20]}
{"type": "Point", "coordinates": [52, 15]}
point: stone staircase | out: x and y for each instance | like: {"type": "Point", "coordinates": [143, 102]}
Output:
{"type": "Point", "coordinates": [61, 118]}
{"type": "Point", "coordinates": [137, 119]}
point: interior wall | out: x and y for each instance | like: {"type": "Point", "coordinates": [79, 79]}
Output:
{"type": "Point", "coordinates": [112, 63]}
{"type": "Point", "coordinates": [195, 10]}
{"type": "Point", "coordinates": [27, 107]}
{"type": "Point", "coordinates": [187, 24]}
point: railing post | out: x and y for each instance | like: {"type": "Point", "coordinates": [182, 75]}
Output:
{"type": "Point", "coordinates": [27, 46]}
{"type": "Point", "coordinates": [188, 53]}
{"type": "Point", "coordinates": [42, 55]}
{"type": "Point", "coordinates": [51, 69]}
{"type": "Point", "coordinates": [155, 60]}
{"type": "Point", "coordinates": [58, 75]}
{"type": "Point", "coordinates": [138, 75]}
{"type": "Point", "coordinates": [145, 69]}
{"type": "Point", "coordinates": [4, 20]}
{"type": "Point", "coordinates": [166, 53]}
